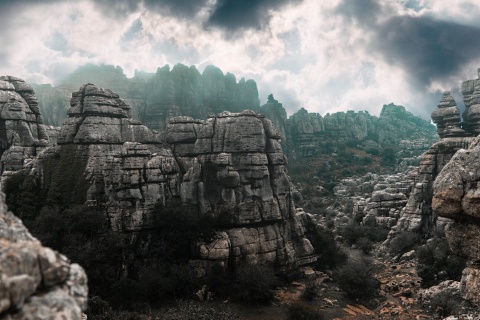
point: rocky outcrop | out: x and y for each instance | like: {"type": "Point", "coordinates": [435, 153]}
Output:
{"type": "Point", "coordinates": [456, 197]}
{"type": "Point", "coordinates": [154, 98]}
{"type": "Point", "coordinates": [235, 173]}
{"type": "Point", "coordinates": [22, 132]}
{"type": "Point", "coordinates": [229, 169]}
{"type": "Point", "coordinates": [417, 215]}
{"type": "Point", "coordinates": [35, 281]}
{"type": "Point", "coordinates": [310, 134]}
{"type": "Point", "coordinates": [447, 118]}
{"type": "Point", "coordinates": [471, 98]}
{"type": "Point", "coordinates": [377, 199]}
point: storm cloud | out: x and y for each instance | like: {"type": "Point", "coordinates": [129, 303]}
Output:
{"type": "Point", "coordinates": [325, 56]}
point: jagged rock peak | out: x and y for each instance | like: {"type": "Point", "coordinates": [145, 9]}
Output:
{"type": "Point", "coordinates": [23, 123]}
{"type": "Point", "coordinates": [447, 118]}
{"type": "Point", "coordinates": [35, 281]}
{"type": "Point", "coordinates": [447, 100]}
{"type": "Point", "coordinates": [99, 116]}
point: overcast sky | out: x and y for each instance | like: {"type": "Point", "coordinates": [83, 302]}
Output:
{"type": "Point", "coordinates": [325, 56]}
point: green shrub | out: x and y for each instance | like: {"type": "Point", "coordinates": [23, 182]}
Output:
{"type": "Point", "coordinates": [254, 283]}
{"type": "Point", "coordinates": [444, 304]}
{"type": "Point", "coordinates": [435, 257]}
{"type": "Point", "coordinates": [330, 254]}
{"type": "Point", "coordinates": [356, 278]}
{"type": "Point", "coordinates": [353, 232]}
{"type": "Point", "coordinates": [364, 244]}
{"type": "Point", "coordinates": [404, 241]}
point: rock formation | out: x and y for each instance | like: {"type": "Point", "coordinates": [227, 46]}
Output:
{"type": "Point", "coordinates": [154, 98]}
{"type": "Point", "coordinates": [229, 168]}
{"type": "Point", "coordinates": [456, 197]}
{"type": "Point", "coordinates": [35, 281]}
{"type": "Point", "coordinates": [235, 173]}
{"type": "Point", "coordinates": [447, 118]}
{"type": "Point", "coordinates": [309, 134]}
{"type": "Point", "coordinates": [418, 215]}
{"type": "Point", "coordinates": [22, 132]}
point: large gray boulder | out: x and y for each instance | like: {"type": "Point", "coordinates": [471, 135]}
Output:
{"type": "Point", "coordinates": [36, 282]}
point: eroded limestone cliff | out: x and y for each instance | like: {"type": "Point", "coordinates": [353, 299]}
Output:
{"type": "Point", "coordinates": [229, 169]}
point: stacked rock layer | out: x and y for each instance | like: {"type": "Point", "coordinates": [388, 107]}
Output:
{"type": "Point", "coordinates": [229, 168]}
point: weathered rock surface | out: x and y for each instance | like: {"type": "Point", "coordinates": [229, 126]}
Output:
{"type": "Point", "coordinates": [377, 199]}
{"type": "Point", "coordinates": [310, 134]}
{"type": "Point", "coordinates": [36, 282]}
{"type": "Point", "coordinates": [21, 124]}
{"type": "Point", "coordinates": [154, 98]}
{"type": "Point", "coordinates": [229, 168]}
{"type": "Point", "coordinates": [447, 118]}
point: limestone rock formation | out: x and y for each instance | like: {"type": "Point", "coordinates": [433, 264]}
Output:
{"type": "Point", "coordinates": [447, 118]}
{"type": "Point", "coordinates": [235, 173]}
{"type": "Point", "coordinates": [99, 116]}
{"type": "Point", "coordinates": [309, 134]}
{"type": "Point", "coordinates": [456, 197]}
{"type": "Point", "coordinates": [35, 281]}
{"type": "Point", "coordinates": [471, 98]}
{"type": "Point", "coordinates": [274, 111]}
{"type": "Point", "coordinates": [21, 124]}
{"type": "Point", "coordinates": [417, 215]}
{"type": "Point", "coordinates": [229, 168]}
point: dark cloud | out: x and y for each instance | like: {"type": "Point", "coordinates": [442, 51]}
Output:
{"type": "Point", "coordinates": [426, 48]}
{"type": "Point", "coordinates": [234, 15]}
{"type": "Point", "coordinates": [364, 12]}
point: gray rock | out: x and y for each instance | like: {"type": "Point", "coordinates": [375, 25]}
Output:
{"type": "Point", "coordinates": [36, 282]}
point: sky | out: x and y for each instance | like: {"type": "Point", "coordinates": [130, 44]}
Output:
{"type": "Point", "coordinates": [324, 56]}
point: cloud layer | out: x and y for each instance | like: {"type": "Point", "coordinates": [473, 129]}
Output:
{"type": "Point", "coordinates": [325, 56]}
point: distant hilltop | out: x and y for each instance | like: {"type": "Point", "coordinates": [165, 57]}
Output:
{"type": "Point", "coordinates": [184, 91]}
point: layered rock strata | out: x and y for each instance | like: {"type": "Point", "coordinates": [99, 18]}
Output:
{"type": "Point", "coordinates": [447, 118]}
{"type": "Point", "coordinates": [310, 134]}
{"type": "Point", "coordinates": [471, 97]}
{"type": "Point", "coordinates": [36, 282]}
{"type": "Point", "coordinates": [456, 197]}
{"type": "Point", "coordinates": [229, 169]}
{"type": "Point", "coordinates": [377, 199]}
{"type": "Point", "coordinates": [21, 124]}
{"type": "Point", "coordinates": [235, 173]}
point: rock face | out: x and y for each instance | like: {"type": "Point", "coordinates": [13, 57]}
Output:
{"type": "Point", "coordinates": [447, 118]}
{"type": "Point", "coordinates": [377, 199]}
{"type": "Point", "coordinates": [22, 131]}
{"type": "Point", "coordinates": [456, 197]}
{"type": "Point", "coordinates": [417, 215]}
{"type": "Point", "coordinates": [310, 134]}
{"type": "Point", "coordinates": [235, 173]}
{"type": "Point", "coordinates": [155, 98]}
{"type": "Point", "coordinates": [229, 169]}
{"type": "Point", "coordinates": [36, 282]}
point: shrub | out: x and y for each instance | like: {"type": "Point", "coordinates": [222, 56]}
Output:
{"type": "Point", "coordinates": [354, 232]}
{"type": "Point", "coordinates": [331, 255]}
{"type": "Point", "coordinates": [445, 304]}
{"type": "Point", "coordinates": [364, 244]}
{"type": "Point", "coordinates": [253, 283]}
{"type": "Point", "coordinates": [404, 241]}
{"type": "Point", "coordinates": [435, 257]}
{"type": "Point", "coordinates": [356, 278]}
